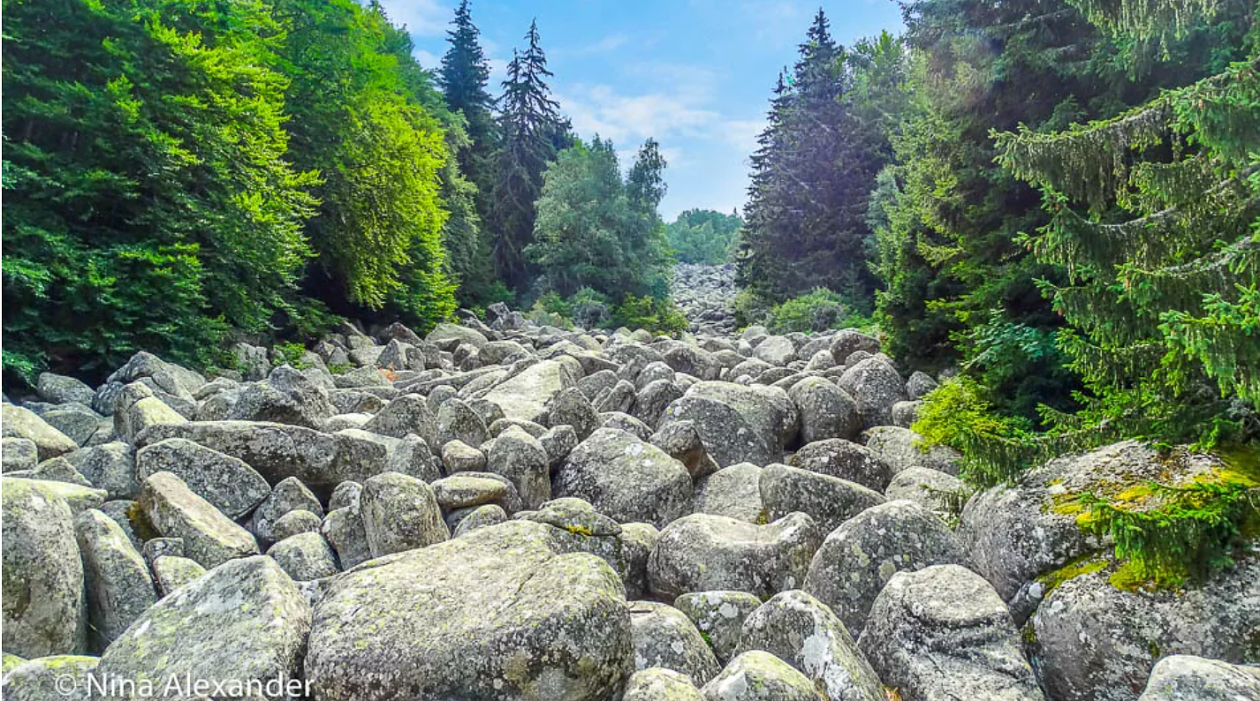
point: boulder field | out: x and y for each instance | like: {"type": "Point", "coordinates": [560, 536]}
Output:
{"type": "Point", "coordinates": [504, 511]}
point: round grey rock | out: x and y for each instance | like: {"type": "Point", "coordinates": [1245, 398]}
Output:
{"type": "Point", "coordinates": [719, 615]}
{"type": "Point", "coordinates": [943, 633]}
{"type": "Point", "coordinates": [858, 558]}
{"type": "Point", "coordinates": [760, 676]}
{"type": "Point", "coordinates": [702, 552]}
{"type": "Point", "coordinates": [626, 479]}
{"type": "Point", "coordinates": [537, 624]}
{"type": "Point", "coordinates": [242, 621]}
{"type": "Point", "coordinates": [830, 501]}
{"type": "Point", "coordinates": [664, 637]}
{"type": "Point", "coordinates": [802, 631]}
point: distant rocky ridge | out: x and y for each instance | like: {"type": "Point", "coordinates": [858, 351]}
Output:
{"type": "Point", "coordinates": [500, 510]}
{"type": "Point", "coordinates": [706, 294]}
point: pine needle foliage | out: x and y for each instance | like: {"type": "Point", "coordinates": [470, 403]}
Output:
{"type": "Point", "coordinates": [1168, 535]}
{"type": "Point", "coordinates": [1154, 219]}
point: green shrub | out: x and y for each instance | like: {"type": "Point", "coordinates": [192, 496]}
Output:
{"type": "Point", "coordinates": [819, 310]}
{"type": "Point", "coordinates": [292, 354]}
{"type": "Point", "coordinates": [959, 414]}
{"type": "Point", "coordinates": [590, 308]}
{"type": "Point", "coordinates": [751, 308]}
{"type": "Point", "coordinates": [656, 316]}
{"type": "Point", "coordinates": [553, 303]}
{"type": "Point", "coordinates": [551, 310]}
{"type": "Point", "coordinates": [1170, 535]}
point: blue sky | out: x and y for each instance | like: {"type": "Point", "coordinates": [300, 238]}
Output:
{"type": "Point", "coordinates": [694, 74]}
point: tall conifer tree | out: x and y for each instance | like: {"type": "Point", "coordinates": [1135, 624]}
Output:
{"type": "Point", "coordinates": [811, 177]}
{"type": "Point", "coordinates": [464, 75]}
{"type": "Point", "coordinates": [530, 122]}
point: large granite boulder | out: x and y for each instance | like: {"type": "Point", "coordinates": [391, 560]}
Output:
{"type": "Point", "coordinates": [305, 557]}
{"type": "Point", "coordinates": [903, 449]}
{"type": "Point", "coordinates": [934, 490]}
{"type": "Point", "coordinates": [942, 633]}
{"type": "Point", "coordinates": [109, 466]}
{"type": "Point", "coordinates": [664, 637]}
{"type": "Point", "coordinates": [826, 410]}
{"type": "Point", "coordinates": [1018, 532]}
{"type": "Point", "coordinates": [846, 460]}
{"type": "Point", "coordinates": [60, 389]}
{"type": "Point", "coordinates": [18, 422]}
{"type": "Point", "coordinates": [733, 491]}
{"type": "Point", "coordinates": [1189, 678]}
{"type": "Point", "coordinates": [288, 496]}
{"type": "Point", "coordinates": [502, 613]}
{"type": "Point", "coordinates": [457, 421]}
{"type": "Point", "coordinates": [739, 423]}
{"type": "Point", "coordinates": [229, 483]}
{"type": "Point", "coordinates": [43, 575]}
{"type": "Point", "coordinates": [1095, 642]}
{"type": "Point", "coordinates": [830, 501]}
{"type": "Point", "coordinates": [242, 622]}
{"type": "Point", "coordinates": [400, 513]}
{"type": "Point", "coordinates": [523, 460]}
{"type": "Point", "coordinates": [702, 552]}
{"type": "Point", "coordinates": [175, 511]}
{"type": "Point", "coordinates": [525, 396]}
{"type": "Point", "coordinates": [875, 386]}
{"type": "Point", "coordinates": [320, 460]}
{"type": "Point", "coordinates": [760, 676]}
{"type": "Point", "coordinates": [287, 397]}
{"type": "Point", "coordinates": [626, 479]}
{"type": "Point", "coordinates": [846, 342]}
{"type": "Point", "coordinates": [802, 631]}
{"type": "Point", "coordinates": [444, 333]}
{"type": "Point", "coordinates": [61, 677]}
{"type": "Point", "coordinates": [720, 616]}
{"type": "Point", "coordinates": [119, 585]}
{"type": "Point", "coordinates": [660, 684]}
{"type": "Point", "coordinates": [19, 454]}
{"type": "Point", "coordinates": [406, 415]}
{"type": "Point", "coordinates": [858, 558]}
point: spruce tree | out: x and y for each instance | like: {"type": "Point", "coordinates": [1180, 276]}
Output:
{"type": "Point", "coordinates": [1155, 217]}
{"type": "Point", "coordinates": [811, 177]}
{"type": "Point", "coordinates": [463, 76]}
{"type": "Point", "coordinates": [530, 124]}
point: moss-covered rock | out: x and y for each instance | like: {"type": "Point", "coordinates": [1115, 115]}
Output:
{"type": "Point", "coordinates": [501, 613]}
{"type": "Point", "coordinates": [659, 684]}
{"type": "Point", "coordinates": [1098, 643]}
{"type": "Point", "coordinates": [802, 631]}
{"type": "Point", "coordinates": [63, 677]}
{"type": "Point", "coordinates": [943, 632]}
{"type": "Point", "coordinates": [175, 511]}
{"type": "Point", "coordinates": [244, 620]}
{"type": "Point", "coordinates": [43, 576]}
{"type": "Point", "coordinates": [119, 585]}
{"type": "Point", "coordinates": [760, 676]}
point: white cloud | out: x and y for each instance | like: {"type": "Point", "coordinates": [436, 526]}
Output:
{"type": "Point", "coordinates": [421, 17]}
{"type": "Point", "coordinates": [600, 109]}
{"type": "Point", "coordinates": [428, 60]}
{"type": "Point", "coordinates": [743, 133]}
{"type": "Point", "coordinates": [498, 74]}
